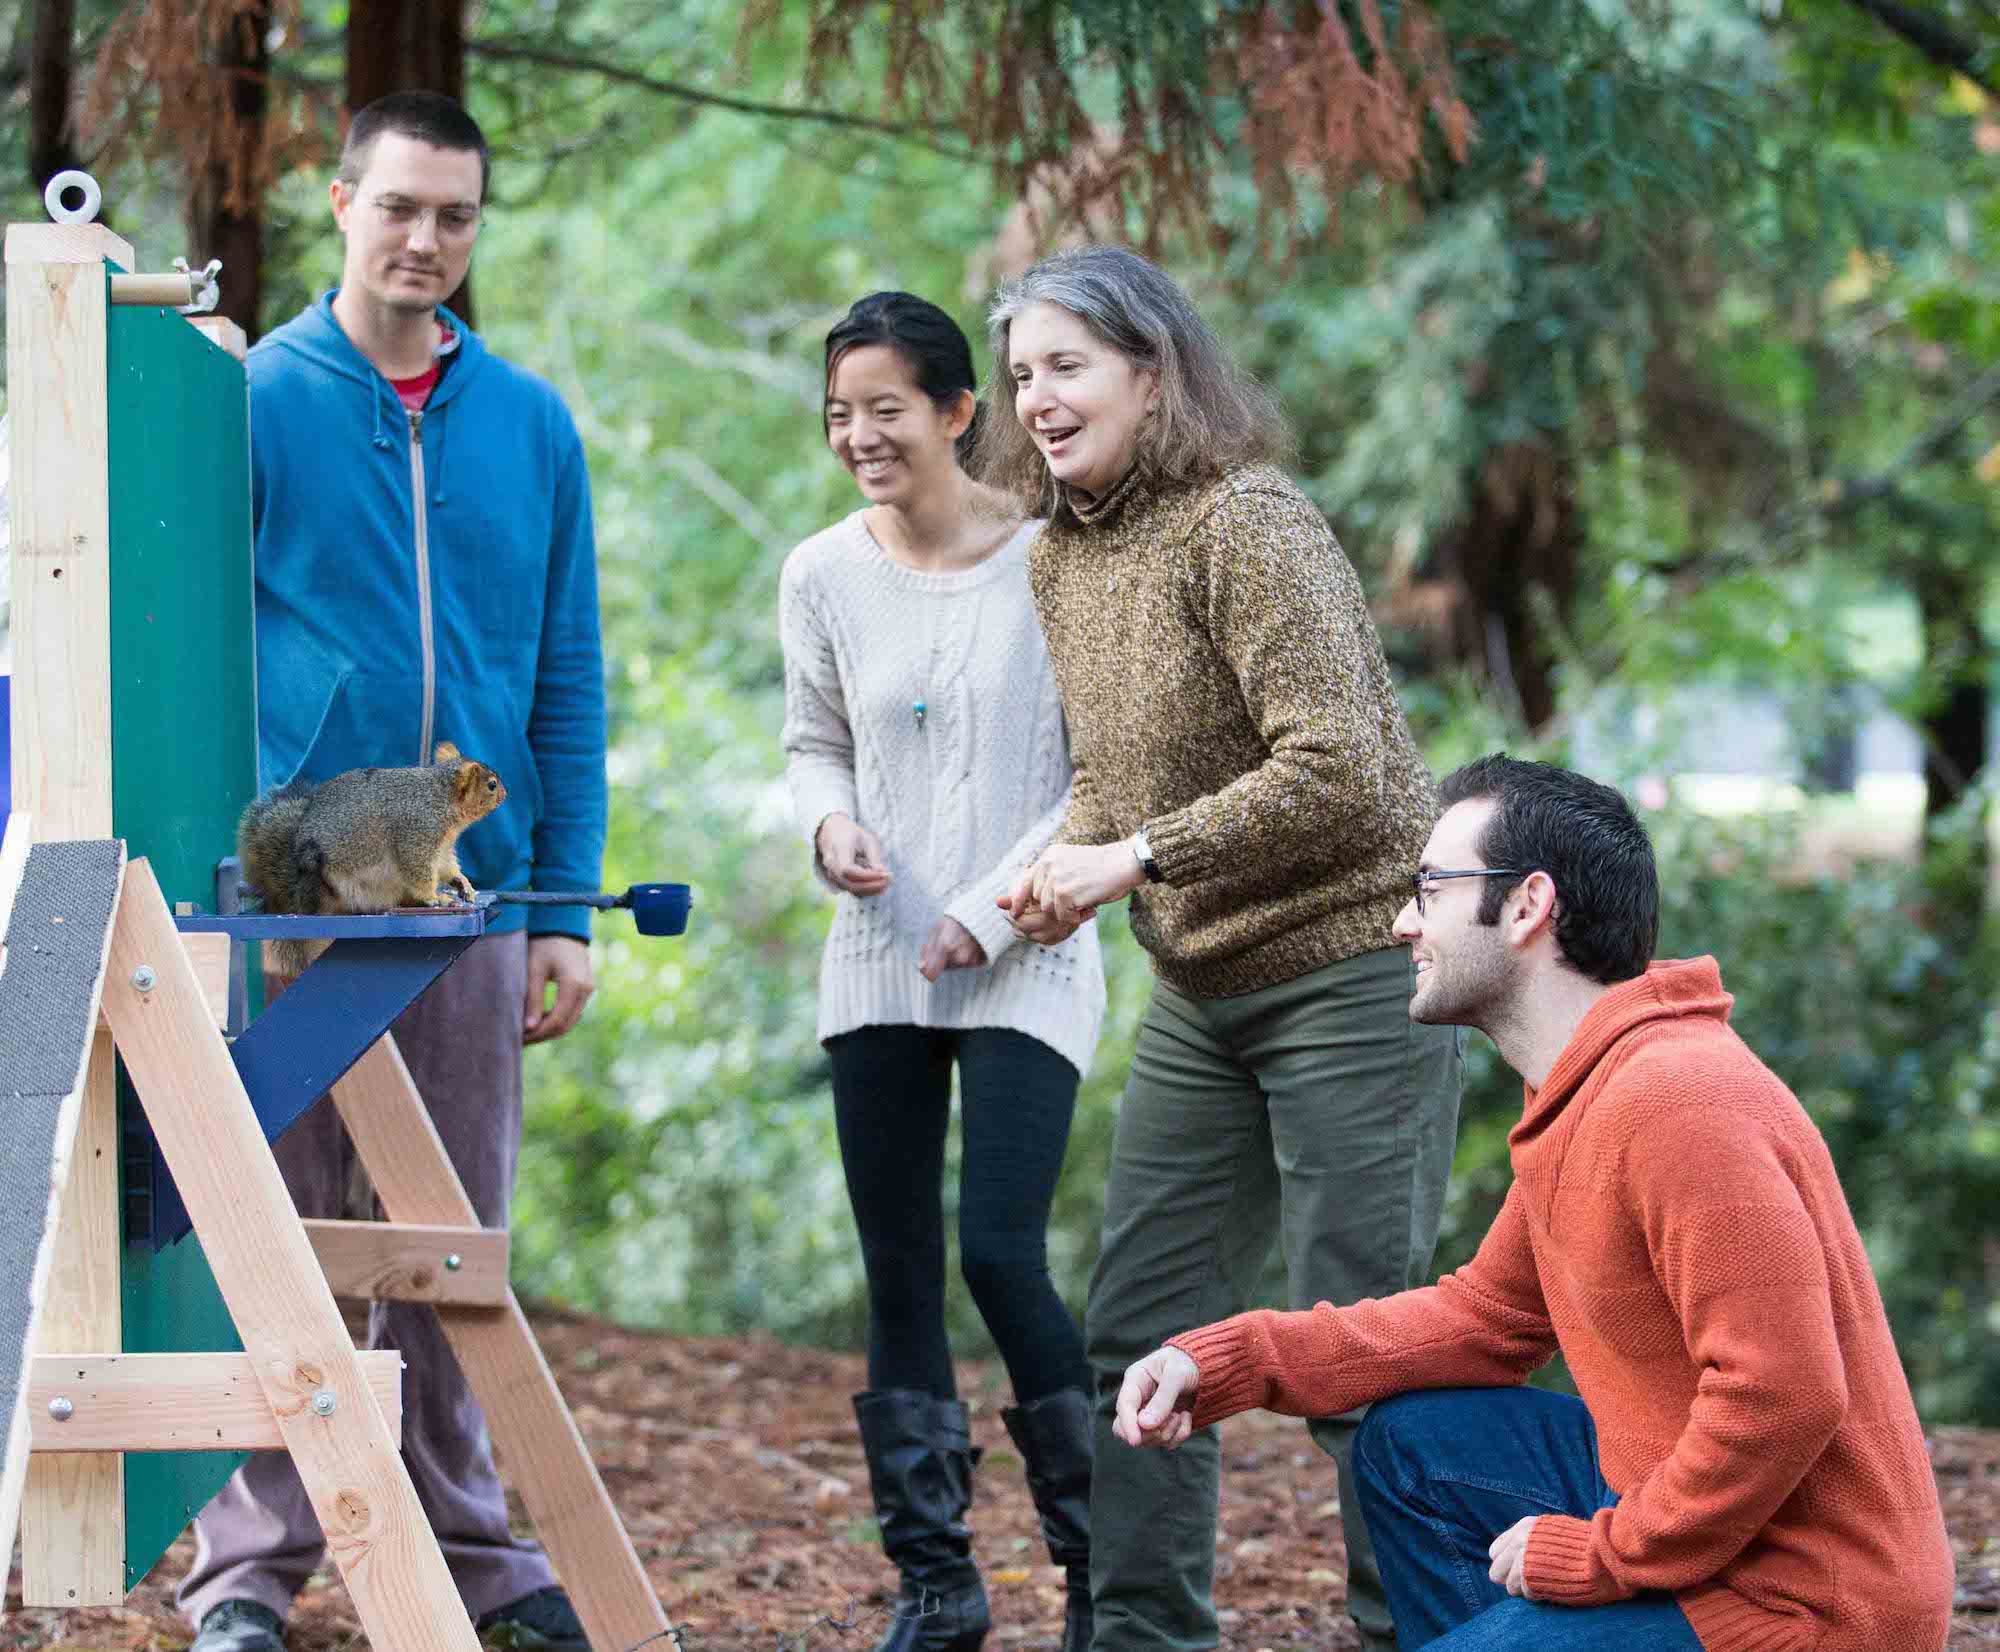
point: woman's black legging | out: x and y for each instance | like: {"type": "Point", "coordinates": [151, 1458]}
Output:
{"type": "Point", "coordinates": [892, 1103]}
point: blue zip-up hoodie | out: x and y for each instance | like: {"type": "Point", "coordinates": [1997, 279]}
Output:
{"type": "Point", "coordinates": [431, 577]}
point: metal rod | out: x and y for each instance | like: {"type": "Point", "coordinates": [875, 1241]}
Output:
{"type": "Point", "coordinates": [554, 897]}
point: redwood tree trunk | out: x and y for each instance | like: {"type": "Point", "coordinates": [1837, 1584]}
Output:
{"type": "Point", "coordinates": [1956, 730]}
{"type": "Point", "coordinates": [1516, 549]}
{"type": "Point", "coordinates": [408, 46]}
{"type": "Point", "coordinates": [51, 74]}
{"type": "Point", "coordinates": [226, 197]}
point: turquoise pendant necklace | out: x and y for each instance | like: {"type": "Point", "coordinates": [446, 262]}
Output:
{"type": "Point", "coordinates": [918, 709]}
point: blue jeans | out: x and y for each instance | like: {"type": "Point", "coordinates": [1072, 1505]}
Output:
{"type": "Point", "coordinates": [1441, 1473]}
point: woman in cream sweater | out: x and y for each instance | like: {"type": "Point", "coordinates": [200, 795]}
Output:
{"type": "Point", "coordinates": [928, 763]}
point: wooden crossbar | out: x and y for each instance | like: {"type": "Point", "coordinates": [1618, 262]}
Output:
{"type": "Point", "coordinates": [173, 1402]}
{"type": "Point", "coordinates": [413, 1261]}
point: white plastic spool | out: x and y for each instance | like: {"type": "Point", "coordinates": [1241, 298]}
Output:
{"type": "Point", "coordinates": [60, 185]}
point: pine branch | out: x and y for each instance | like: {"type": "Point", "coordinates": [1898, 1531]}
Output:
{"type": "Point", "coordinates": [1937, 42]}
{"type": "Point", "coordinates": [517, 51]}
{"type": "Point", "coordinates": [1839, 497]}
{"type": "Point", "coordinates": [1861, 490]}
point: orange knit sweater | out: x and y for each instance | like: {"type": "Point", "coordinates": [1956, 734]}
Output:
{"type": "Point", "coordinates": [1676, 1228]}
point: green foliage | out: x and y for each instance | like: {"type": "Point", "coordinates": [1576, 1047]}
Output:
{"type": "Point", "coordinates": [1673, 178]}
{"type": "Point", "coordinates": [1787, 205]}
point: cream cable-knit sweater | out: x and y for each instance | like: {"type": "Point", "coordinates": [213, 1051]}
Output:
{"type": "Point", "coordinates": [960, 803]}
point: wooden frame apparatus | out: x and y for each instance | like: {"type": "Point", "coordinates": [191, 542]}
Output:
{"type": "Point", "coordinates": [158, 999]}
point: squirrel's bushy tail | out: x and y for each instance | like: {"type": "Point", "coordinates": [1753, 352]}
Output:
{"type": "Point", "coordinates": [280, 864]}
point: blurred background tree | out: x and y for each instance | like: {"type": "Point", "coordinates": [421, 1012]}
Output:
{"type": "Point", "coordinates": [1643, 352]}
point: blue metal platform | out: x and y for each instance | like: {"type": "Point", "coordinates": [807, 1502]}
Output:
{"type": "Point", "coordinates": [309, 1035]}
{"type": "Point", "coordinates": [419, 922]}
{"type": "Point", "coordinates": [325, 1021]}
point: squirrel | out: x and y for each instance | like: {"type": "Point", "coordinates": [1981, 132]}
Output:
{"type": "Point", "coordinates": [364, 841]}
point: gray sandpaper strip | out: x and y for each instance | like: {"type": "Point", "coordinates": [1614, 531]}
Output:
{"type": "Point", "coordinates": [57, 936]}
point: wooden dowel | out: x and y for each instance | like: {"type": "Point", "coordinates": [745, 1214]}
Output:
{"type": "Point", "coordinates": [172, 289]}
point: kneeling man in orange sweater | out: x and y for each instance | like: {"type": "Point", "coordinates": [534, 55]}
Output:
{"type": "Point", "coordinates": [1745, 1471]}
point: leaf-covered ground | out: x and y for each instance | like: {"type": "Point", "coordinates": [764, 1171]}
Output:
{"type": "Point", "coordinates": [737, 1470]}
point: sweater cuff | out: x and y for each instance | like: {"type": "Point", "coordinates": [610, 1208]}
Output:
{"type": "Point", "coordinates": [983, 920]}
{"type": "Point", "coordinates": [572, 921]}
{"type": "Point", "coordinates": [819, 792]}
{"type": "Point", "coordinates": [1228, 1380]}
{"type": "Point", "coordinates": [1561, 1563]}
{"type": "Point", "coordinates": [1181, 850]}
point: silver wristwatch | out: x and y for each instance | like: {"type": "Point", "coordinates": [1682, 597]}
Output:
{"type": "Point", "coordinates": [1144, 851]}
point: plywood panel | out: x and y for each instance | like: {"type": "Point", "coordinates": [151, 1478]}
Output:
{"type": "Point", "coordinates": [184, 730]}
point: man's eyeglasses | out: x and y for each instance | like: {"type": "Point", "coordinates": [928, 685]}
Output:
{"type": "Point", "coordinates": [454, 223]}
{"type": "Point", "coordinates": [1424, 883]}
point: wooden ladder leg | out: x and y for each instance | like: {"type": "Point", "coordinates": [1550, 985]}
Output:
{"type": "Point", "coordinates": [546, 1456]}
{"type": "Point", "coordinates": [73, 1517]}
{"type": "Point", "coordinates": [265, 1268]}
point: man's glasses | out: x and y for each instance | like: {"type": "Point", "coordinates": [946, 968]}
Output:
{"type": "Point", "coordinates": [454, 223]}
{"type": "Point", "coordinates": [1424, 883]}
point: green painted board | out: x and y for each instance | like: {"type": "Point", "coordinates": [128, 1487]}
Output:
{"type": "Point", "coordinates": [183, 759]}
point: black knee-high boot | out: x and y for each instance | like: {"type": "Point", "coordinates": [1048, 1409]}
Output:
{"type": "Point", "coordinates": [1054, 1438]}
{"type": "Point", "coordinates": [920, 1459]}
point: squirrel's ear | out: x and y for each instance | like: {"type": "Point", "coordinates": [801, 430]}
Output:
{"type": "Point", "coordinates": [446, 752]}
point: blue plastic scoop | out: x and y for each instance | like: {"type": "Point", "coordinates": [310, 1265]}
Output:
{"type": "Point", "coordinates": [657, 908]}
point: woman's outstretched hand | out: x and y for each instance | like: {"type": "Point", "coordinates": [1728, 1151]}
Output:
{"type": "Point", "coordinates": [949, 946]}
{"type": "Point", "coordinates": [1031, 921]}
{"type": "Point", "coordinates": [1074, 880]}
{"type": "Point", "coordinates": [852, 856]}
{"type": "Point", "coordinates": [1068, 882]}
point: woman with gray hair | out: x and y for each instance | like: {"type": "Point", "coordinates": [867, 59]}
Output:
{"type": "Point", "coordinates": [1244, 772]}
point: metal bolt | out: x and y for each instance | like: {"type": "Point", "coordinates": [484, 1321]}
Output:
{"type": "Point", "coordinates": [453, 1262]}
{"type": "Point", "coordinates": [61, 1409]}
{"type": "Point", "coordinates": [323, 1403]}
{"type": "Point", "coordinates": [143, 977]}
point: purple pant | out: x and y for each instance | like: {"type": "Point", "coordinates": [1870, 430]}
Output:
{"type": "Point", "coordinates": [258, 1539]}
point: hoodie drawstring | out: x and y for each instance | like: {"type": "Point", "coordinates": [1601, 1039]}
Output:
{"type": "Point", "coordinates": [443, 424]}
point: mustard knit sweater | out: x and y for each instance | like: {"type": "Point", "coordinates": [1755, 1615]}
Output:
{"type": "Point", "coordinates": [1225, 689]}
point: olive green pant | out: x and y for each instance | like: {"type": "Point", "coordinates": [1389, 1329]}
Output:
{"type": "Point", "coordinates": [1313, 1112]}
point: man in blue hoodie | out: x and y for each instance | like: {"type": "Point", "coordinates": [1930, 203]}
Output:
{"type": "Point", "coordinates": [425, 572]}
